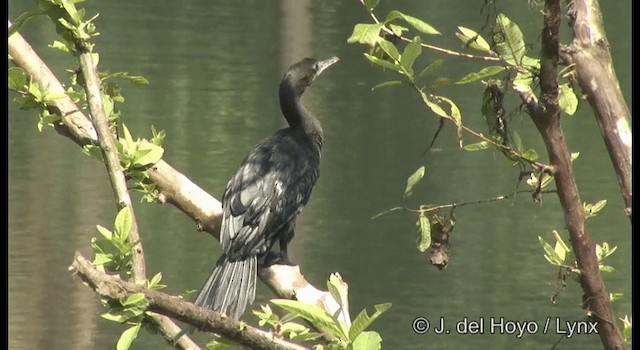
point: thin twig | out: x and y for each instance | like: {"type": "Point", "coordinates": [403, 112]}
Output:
{"type": "Point", "coordinates": [434, 48]}
{"type": "Point", "coordinates": [429, 208]}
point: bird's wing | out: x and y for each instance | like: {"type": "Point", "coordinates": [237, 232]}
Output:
{"type": "Point", "coordinates": [269, 189]}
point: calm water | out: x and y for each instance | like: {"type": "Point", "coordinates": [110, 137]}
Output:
{"type": "Point", "coordinates": [214, 69]}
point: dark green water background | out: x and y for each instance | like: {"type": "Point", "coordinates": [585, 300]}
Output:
{"type": "Point", "coordinates": [214, 67]}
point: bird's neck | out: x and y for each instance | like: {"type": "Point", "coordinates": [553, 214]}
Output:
{"type": "Point", "coordinates": [298, 117]}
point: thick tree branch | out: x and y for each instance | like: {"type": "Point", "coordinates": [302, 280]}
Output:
{"type": "Point", "coordinates": [596, 298]}
{"type": "Point", "coordinates": [112, 287]}
{"type": "Point", "coordinates": [175, 188]}
{"type": "Point", "coordinates": [597, 79]}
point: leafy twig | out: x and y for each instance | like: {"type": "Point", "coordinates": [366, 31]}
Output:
{"type": "Point", "coordinates": [432, 47]}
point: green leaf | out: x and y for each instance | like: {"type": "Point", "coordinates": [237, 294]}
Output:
{"type": "Point", "coordinates": [384, 64]}
{"type": "Point", "coordinates": [58, 45]}
{"type": "Point", "coordinates": [627, 327]}
{"type": "Point", "coordinates": [424, 233]}
{"type": "Point", "coordinates": [137, 300]}
{"type": "Point", "coordinates": [371, 4]}
{"type": "Point", "coordinates": [574, 155]}
{"type": "Point", "coordinates": [315, 315]}
{"type": "Point", "coordinates": [567, 99]}
{"type": "Point", "coordinates": [363, 320]}
{"type": "Point", "coordinates": [455, 111]}
{"type": "Point", "coordinates": [127, 337]}
{"type": "Point", "coordinates": [387, 84]}
{"type": "Point", "coordinates": [129, 143]}
{"type": "Point", "coordinates": [123, 223]}
{"type": "Point", "coordinates": [410, 54]}
{"type": "Point", "coordinates": [220, 344]}
{"type": "Point", "coordinates": [473, 40]}
{"type": "Point", "coordinates": [120, 318]}
{"type": "Point", "coordinates": [368, 341]}
{"type": "Point", "coordinates": [338, 289]}
{"type": "Point", "coordinates": [397, 30]}
{"type": "Point", "coordinates": [477, 146]}
{"type": "Point", "coordinates": [482, 74]}
{"type": "Point", "coordinates": [17, 79]}
{"type": "Point", "coordinates": [416, 23]}
{"type": "Point", "coordinates": [102, 259]}
{"type": "Point", "coordinates": [523, 81]}
{"type": "Point", "coordinates": [147, 154]}
{"type": "Point", "coordinates": [434, 66]}
{"type": "Point", "coordinates": [530, 155]}
{"type": "Point", "coordinates": [155, 280]}
{"type": "Point", "coordinates": [509, 41]}
{"type": "Point", "coordinates": [550, 254]}
{"type": "Point", "coordinates": [104, 232]}
{"type": "Point", "coordinates": [368, 34]}
{"type": "Point", "coordinates": [390, 49]}
{"type": "Point", "coordinates": [413, 180]}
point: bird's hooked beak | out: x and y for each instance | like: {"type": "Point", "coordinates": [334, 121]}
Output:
{"type": "Point", "coordinates": [322, 65]}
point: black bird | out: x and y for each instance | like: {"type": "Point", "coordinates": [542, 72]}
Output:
{"type": "Point", "coordinates": [266, 194]}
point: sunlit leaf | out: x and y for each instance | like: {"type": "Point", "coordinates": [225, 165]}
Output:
{"type": "Point", "coordinates": [550, 254]}
{"type": "Point", "coordinates": [413, 180]}
{"type": "Point", "coordinates": [17, 79]}
{"type": "Point", "coordinates": [387, 84]}
{"type": "Point", "coordinates": [567, 99]}
{"type": "Point", "coordinates": [416, 23]}
{"type": "Point", "coordinates": [473, 40]}
{"type": "Point", "coordinates": [424, 237]}
{"type": "Point", "coordinates": [390, 49]}
{"type": "Point", "coordinates": [509, 41]}
{"type": "Point", "coordinates": [367, 341]}
{"type": "Point", "coordinates": [482, 74]}
{"type": "Point", "coordinates": [123, 223]}
{"type": "Point", "coordinates": [136, 299]}
{"type": "Point", "coordinates": [382, 63]}
{"type": "Point", "coordinates": [147, 154]}
{"type": "Point", "coordinates": [368, 34]}
{"type": "Point", "coordinates": [127, 337]}
{"type": "Point", "coordinates": [410, 54]}
{"type": "Point", "coordinates": [363, 320]}
{"type": "Point", "coordinates": [315, 315]}
{"type": "Point", "coordinates": [104, 232]}
{"type": "Point", "coordinates": [530, 155]}
{"type": "Point", "coordinates": [477, 146]}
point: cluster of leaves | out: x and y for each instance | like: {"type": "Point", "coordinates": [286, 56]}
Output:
{"type": "Point", "coordinates": [508, 48]}
{"type": "Point", "coordinates": [353, 337]}
{"type": "Point", "coordinates": [32, 95]}
{"type": "Point", "coordinates": [113, 252]}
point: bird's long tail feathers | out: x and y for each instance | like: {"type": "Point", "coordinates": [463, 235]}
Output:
{"type": "Point", "coordinates": [230, 287]}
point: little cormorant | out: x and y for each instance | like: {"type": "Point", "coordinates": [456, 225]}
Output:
{"type": "Point", "coordinates": [266, 194]}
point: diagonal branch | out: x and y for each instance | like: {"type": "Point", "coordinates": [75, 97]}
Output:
{"type": "Point", "coordinates": [114, 288]}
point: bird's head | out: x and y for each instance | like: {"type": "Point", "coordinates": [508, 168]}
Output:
{"type": "Point", "coordinates": [302, 74]}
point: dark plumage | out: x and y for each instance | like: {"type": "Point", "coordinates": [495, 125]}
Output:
{"type": "Point", "coordinates": [266, 194]}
